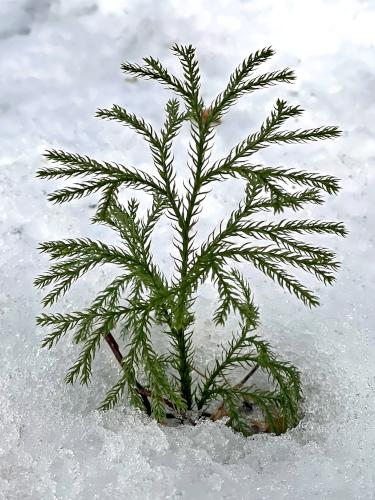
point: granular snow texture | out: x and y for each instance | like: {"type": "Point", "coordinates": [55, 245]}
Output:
{"type": "Point", "coordinates": [59, 61]}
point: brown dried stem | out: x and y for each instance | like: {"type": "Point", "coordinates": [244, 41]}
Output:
{"type": "Point", "coordinates": [143, 392]}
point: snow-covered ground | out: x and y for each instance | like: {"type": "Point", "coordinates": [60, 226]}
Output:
{"type": "Point", "coordinates": [59, 61]}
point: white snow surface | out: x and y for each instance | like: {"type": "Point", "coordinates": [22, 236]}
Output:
{"type": "Point", "coordinates": [59, 61]}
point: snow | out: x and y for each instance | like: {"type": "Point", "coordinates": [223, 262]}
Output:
{"type": "Point", "coordinates": [59, 61]}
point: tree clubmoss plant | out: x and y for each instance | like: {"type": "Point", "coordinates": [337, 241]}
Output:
{"type": "Point", "coordinates": [140, 296]}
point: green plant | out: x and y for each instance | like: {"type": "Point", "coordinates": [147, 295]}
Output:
{"type": "Point", "coordinates": [141, 295]}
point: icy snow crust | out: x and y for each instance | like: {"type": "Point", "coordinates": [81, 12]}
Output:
{"type": "Point", "coordinates": [59, 61]}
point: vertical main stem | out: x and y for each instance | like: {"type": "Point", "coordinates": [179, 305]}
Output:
{"type": "Point", "coordinates": [184, 368]}
{"type": "Point", "coordinates": [182, 345]}
{"type": "Point", "coordinates": [183, 361]}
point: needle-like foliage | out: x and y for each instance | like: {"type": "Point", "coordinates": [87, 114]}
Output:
{"type": "Point", "coordinates": [141, 295]}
